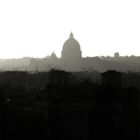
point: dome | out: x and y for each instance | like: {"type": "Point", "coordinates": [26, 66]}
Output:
{"type": "Point", "coordinates": [71, 49]}
{"type": "Point", "coordinates": [71, 43]}
{"type": "Point", "coordinates": [53, 56]}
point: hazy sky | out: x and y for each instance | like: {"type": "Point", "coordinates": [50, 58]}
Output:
{"type": "Point", "coordinates": [38, 27]}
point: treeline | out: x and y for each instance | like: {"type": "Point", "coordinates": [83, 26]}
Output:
{"type": "Point", "coordinates": [68, 109]}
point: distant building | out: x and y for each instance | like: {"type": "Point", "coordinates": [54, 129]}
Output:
{"type": "Point", "coordinates": [116, 55]}
{"type": "Point", "coordinates": [71, 50]}
{"type": "Point", "coordinates": [71, 55]}
{"type": "Point", "coordinates": [53, 57]}
{"type": "Point", "coordinates": [72, 60]}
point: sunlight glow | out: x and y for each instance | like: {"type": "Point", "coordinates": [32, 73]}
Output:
{"type": "Point", "coordinates": [36, 28]}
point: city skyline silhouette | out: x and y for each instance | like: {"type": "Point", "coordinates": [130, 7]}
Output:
{"type": "Point", "coordinates": [70, 69]}
{"type": "Point", "coordinates": [72, 59]}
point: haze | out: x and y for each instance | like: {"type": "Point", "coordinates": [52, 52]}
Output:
{"type": "Point", "coordinates": [35, 28]}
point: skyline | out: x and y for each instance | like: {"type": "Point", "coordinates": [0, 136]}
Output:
{"type": "Point", "coordinates": [37, 28]}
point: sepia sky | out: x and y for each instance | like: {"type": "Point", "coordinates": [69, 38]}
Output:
{"type": "Point", "coordinates": [37, 27]}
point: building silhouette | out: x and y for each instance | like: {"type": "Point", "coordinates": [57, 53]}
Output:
{"type": "Point", "coordinates": [72, 60]}
{"type": "Point", "coordinates": [71, 57]}
{"type": "Point", "coordinates": [71, 50]}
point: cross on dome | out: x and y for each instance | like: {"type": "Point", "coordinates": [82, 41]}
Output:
{"type": "Point", "coordinates": [71, 35]}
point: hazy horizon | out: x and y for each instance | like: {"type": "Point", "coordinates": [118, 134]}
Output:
{"type": "Point", "coordinates": [33, 28]}
{"type": "Point", "coordinates": [41, 57]}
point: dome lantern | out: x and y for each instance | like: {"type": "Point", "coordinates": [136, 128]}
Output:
{"type": "Point", "coordinates": [71, 35]}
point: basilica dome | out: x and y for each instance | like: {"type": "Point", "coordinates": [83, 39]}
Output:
{"type": "Point", "coordinates": [71, 49]}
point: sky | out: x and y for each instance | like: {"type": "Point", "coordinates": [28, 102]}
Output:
{"type": "Point", "coordinates": [36, 28]}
